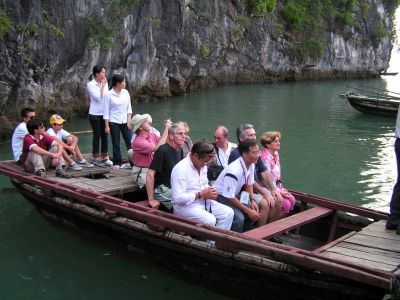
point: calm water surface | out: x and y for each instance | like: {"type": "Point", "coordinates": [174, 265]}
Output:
{"type": "Point", "coordinates": [327, 148]}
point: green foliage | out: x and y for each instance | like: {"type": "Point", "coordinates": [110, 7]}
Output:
{"type": "Point", "coordinates": [204, 51]}
{"type": "Point", "coordinates": [379, 32]}
{"type": "Point", "coordinates": [101, 29]}
{"type": "Point", "coordinates": [365, 7]}
{"type": "Point", "coordinates": [260, 7]}
{"type": "Point", "coordinates": [5, 24]}
{"type": "Point", "coordinates": [312, 47]}
{"type": "Point", "coordinates": [58, 32]}
{"type": "Point", "coordinates": [238, 32]}
{"type": "Point", "coordinates": [294, 14]}
{"type": "Point", "coordinates": [245, 21]}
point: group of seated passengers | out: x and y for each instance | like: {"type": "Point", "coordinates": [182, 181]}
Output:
{"type": "Point", "coordinates": [249, 186]}
{"type": "Point", "coordinates": [248, 191]}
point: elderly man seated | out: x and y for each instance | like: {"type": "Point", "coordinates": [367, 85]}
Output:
{"type": "Point", "coordinates": [192, 197]}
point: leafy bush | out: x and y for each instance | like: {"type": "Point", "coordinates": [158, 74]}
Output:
{"type": "Point", "coordinates": [238, 33]}
{"type": "Point", "coordinates": [294, 14]}
{"type": "Point", "coordinates": [313, 48]}
{"type": "Point", "coordinates": [379, 32]}
{"type": "Point", "coordinates": [204, 51]}
{"type": "Point", "coordinates": [245, 21]}
{"type": "Point", "coordinates": [260, 7]}
{"type": "Point", "coordinates": [100, 34]}
{"type": "Point", "coordinates": [5, 24]}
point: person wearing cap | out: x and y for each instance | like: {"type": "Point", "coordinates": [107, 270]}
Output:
{"type": "Point", "coordinates": [69, 142]}
{"type": "Point", "coordinates": [117, 117]}
{"type": "Point", "coordinates": [144, 145]}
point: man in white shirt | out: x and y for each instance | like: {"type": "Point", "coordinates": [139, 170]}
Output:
{"type": "Point", "coordinates": [223, 146]}
{"type": "Point", "coordinates": [235, 187]}
{"type": "Point", "coordinates": [20, 131]}
{"type": "Point", "coordinates": [192, 197]}
{"type": "Point", "coordinates": [69, 142]}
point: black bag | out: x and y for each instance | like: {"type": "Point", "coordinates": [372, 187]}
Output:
{"type": "Point", "coordinates": [214, 170]}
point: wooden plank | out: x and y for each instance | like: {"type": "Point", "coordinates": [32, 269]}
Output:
{"type": "Point", "coordinates": [372, 250]}
{"type": "Point", "coordinates": [289, 223]}
{"type": "Point", "coordinates": [362, 252]}
{"type": "Point", "coordinates": [375, 242]}
{"type": "Point", "coordinates": [360, 261]}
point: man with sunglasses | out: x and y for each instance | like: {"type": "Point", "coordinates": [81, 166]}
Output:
{"type": "Point", "coordinates": [192, 197]}
{"type": "Point", "coordinates": [20, 132]}
{"type": "Point", "coordinates": [40, 151]}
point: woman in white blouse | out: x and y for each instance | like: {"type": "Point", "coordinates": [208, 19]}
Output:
{"type": "Point", "coordinates": [96, 89]}
{"type": "Point", "coordinates": [117, 116]}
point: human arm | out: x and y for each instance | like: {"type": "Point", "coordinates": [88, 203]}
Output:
{"type": "Point", "coordinates": [106, 114]}
{"type": "Point", "coordinates": [150, 189]}
{"type": "Point", "coordinates": [129, 113]}
{"type": "Point", "coordinates": [94, 92]}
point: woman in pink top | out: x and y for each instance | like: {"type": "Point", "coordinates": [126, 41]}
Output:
{"type": "Point", "coordinates": [270, 157]}
{"type": "Point", "coordinates": [145, 144]}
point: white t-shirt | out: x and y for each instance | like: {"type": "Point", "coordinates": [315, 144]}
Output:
{"type": "Point", "coordinates": [18, 139]}
{"type": "Point", "coordinates": [221, 157]}
{"type": "Point", "coordinates": [117, 107]}
{"type": "Point", "coordinates": [61, 134]}
{"type": "Point", "coordinates": [397, 132]}
{"type": "Point", "coordinates": [233, 177]}
{"type": "Point", "coordinates": [96, 100]}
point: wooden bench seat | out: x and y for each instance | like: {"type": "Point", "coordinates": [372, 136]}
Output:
{"type": "Point", "coordinates": [289, 223]}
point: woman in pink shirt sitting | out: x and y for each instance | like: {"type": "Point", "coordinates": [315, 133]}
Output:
{"type": "Point", "coordinates": [144, 145]}
{"type": "Point", "coordinates": [270, 157]}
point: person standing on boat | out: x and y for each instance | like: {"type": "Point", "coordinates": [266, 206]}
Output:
{"type": "Point", "coordinates": [69, 142]}
{"type": "Point", "coordinates": [158, 179]}
{"type": "Point", "coordinates": [97, 88]}
{"type": "Point", "coordinates": [393, 221]}
{"type": "Point", "coordinates": [235, 187]}
{"type": "Point", "coordinates": [20, 131]}
{"type": "Point", "coordinates": [117, 116]}
{"type": "Point", "coordinates": [223, 146]}
{"type": "Point", "coordinates": [270, 157]}
{"type": "Point", "coordinates": [144, 145]}
{"type": "Point", "coordinates": [192, 197]}
{"type": "Point", "coordinates": [40, 151]}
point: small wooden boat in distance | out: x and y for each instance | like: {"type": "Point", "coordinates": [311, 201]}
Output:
{"type": "Point", "coordinates": [377, 105]}
{"type": "Point", "coordinates": [389, 73]}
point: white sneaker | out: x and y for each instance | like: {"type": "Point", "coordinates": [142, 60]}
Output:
{"type": "Point", "coordinates": [75, 167]}
{"type": "Point", "coordinates": [108, 162]}
{"type": "Point", "coordinates": [86, 164]}
{"type": "Point", "coordinates": [125, 166]}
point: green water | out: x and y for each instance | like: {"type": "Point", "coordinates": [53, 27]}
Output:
{"type": "Point", "coordinates": [327, 148]}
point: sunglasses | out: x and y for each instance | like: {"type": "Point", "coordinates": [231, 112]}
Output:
{"type": "Point", "coordinates": [32, 117]}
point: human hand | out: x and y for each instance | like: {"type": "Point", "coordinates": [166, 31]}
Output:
{"type": "Point", "coordinates": [277, 195]}
{"type": "Point", "coordinates": [107, 129]}
{"type": "Point", "coordinates": [254, 205]}
{"type": "Point", "coordinates": [154, 203]}
{"type": "Point", "coordinates": [167, 123]}
{"type": "Point", "coordinates": [129, 125]}
{"type": "Point", "coordinates": [253, 215]}
{"type": "Point", "coordinates": [209, 193]}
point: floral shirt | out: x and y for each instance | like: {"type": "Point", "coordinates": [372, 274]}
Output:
{"type": "Point", "coordinates": [273, 164]}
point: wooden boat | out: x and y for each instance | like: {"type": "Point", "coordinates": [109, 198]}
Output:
{"type": "Point", "coordinates": [330, 249]}
{"type": "Point", "coordinates": [389, 73]}
{"type": "Point", "coordinates": [377, 105]}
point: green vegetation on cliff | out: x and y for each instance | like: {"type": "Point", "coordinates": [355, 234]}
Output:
{"type": "Point", "coordinates": [5, 24]}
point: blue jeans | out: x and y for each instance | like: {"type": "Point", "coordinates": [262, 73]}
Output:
{"type": "Point", "coordinates": [98, 127]}
{"type": "Point", "coordinates": [240, 222]}
{"type": "Point", "coordinates": [115, 130]}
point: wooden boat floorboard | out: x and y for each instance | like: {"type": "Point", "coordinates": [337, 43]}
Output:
{"type": "Point", "coordinates": [374, 246]}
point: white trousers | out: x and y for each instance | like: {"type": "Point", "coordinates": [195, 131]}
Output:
{"type": "Point", "coordinates": [221, 216]}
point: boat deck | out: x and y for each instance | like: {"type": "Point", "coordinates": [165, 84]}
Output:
{"type": "Point", "coordinates": [374, 246]}
{"type": "Point", "coordinates": [100, 179]}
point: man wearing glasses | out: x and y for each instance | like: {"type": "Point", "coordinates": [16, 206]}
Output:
{"type": "Point", "coordinates": [40, 151]}
{"type": "Point", "coordinates": [192, 197]}
{"type": "Point", "coordinates": [158, 178]}
{"type": "Point", "coordinates": [20, 132]}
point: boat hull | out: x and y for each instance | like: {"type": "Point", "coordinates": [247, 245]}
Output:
{"type": "Point", "coordinates": [223, 271]}
{"type": "Point", "coordinates": [373, 106]}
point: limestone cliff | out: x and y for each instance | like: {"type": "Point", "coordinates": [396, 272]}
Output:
{"type": "Point", "coordinates": [168, 47]}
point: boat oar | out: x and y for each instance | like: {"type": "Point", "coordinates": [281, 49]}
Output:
{"type": "Point", "coordinates": [376, 93]}
{"type": "Point", "coordinates": [380, 89]}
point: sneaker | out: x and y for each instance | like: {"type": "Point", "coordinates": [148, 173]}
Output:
{"type": "Point", "coordinates": [75, 167]}
{"type": "Point", "coordinates": [126, 166]}
{"type": "Point", "coordinates": [86, 164]}
{"type": "Point", "coordinates": [96, 162]}
{"type": "Point", "coordinates": [108, 162]}
{"type": "Point", "coordinates": [41, 173]}
{"type": "Point", "coordinates": [63, 174]}
{"type": "Point", "coordinates": [117, 167]}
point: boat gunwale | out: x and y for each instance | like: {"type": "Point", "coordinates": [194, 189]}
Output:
{"type": "Point", "coordinates": [223, 238]}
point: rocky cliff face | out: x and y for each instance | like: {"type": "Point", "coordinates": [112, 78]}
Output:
{"type": "Point", "coordinates": [167, 47]}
